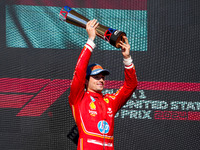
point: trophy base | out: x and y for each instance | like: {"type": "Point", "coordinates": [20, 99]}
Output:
{"type": "Point", "coordinates": [116, 37]}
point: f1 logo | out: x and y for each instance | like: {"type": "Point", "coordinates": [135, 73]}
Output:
{"type": "Point", "coordinates": [33, 96]}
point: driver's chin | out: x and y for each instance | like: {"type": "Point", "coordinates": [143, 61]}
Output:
{"type": "Point", "coordinates": [99, 89]}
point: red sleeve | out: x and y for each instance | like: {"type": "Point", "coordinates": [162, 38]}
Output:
{"type": "Point", "coordinates": [79, 77]}
{"type": "Point", "coordinates": [125, 92]}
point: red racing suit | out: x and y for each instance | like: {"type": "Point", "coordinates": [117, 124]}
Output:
{"type": "Point", "coordinates": [93, 112]}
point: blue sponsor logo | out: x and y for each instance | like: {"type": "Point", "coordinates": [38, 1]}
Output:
{"type": "Point", "coordinates": [92, 98]}
{"type": "Point", "coordinates": [103, 127]}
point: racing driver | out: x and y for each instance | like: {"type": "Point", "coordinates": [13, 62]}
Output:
{"type": "Point", "coordinates": [94, 112]}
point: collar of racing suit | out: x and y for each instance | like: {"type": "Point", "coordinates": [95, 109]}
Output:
{"type": "Point", "coordinates": [93, 94]}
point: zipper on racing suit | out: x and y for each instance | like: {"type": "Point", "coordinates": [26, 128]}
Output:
{"type": "Point", "coordinates": [102, 109]}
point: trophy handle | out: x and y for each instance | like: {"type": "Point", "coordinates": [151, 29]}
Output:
{"type": "Point", "coordinates": [110, 35]}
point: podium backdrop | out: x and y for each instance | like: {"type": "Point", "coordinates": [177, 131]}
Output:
{"type": "Point", "coordinates": [38, 54]}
